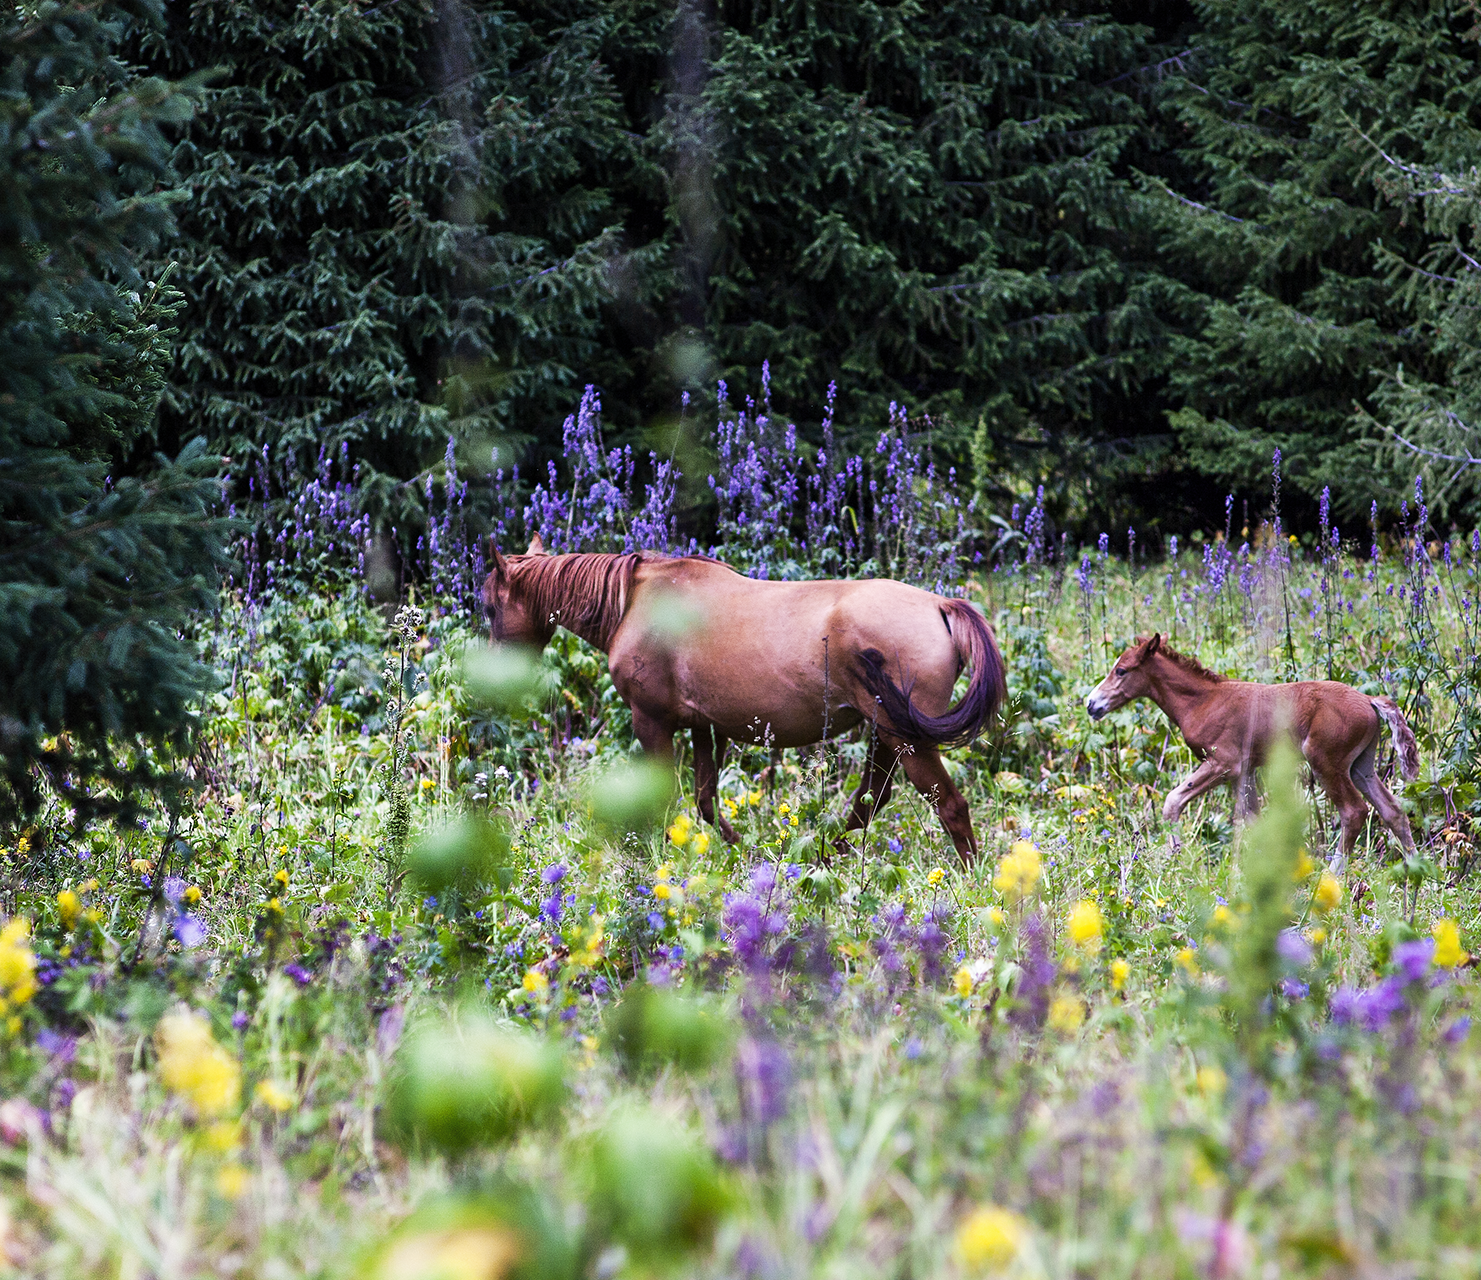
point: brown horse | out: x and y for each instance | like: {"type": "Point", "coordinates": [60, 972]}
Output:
{"type": "Point", "coordinates": [1230, 725]}
{"type": "Point", "coordinates": [692, 644]}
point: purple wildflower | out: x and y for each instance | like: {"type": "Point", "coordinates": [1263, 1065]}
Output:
{"type": "Point", "coordinates": [190, 931]}
{"type": "Point", "coordinates": [553, 874]}
{"type": "Point", "coordinates": [1412, 959]}
{"type": "Point", "coordinates": [299, 974]}
{"type": "Point", "coordinates": [1293, 948]}
{"type": "Point", "coordinates": [173, 889]}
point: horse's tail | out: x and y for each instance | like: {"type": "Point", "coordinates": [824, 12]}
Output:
{"type": "Point", "coordinates": [976, 648]}
{"type": "Point", "coordinates": [1404, 742]}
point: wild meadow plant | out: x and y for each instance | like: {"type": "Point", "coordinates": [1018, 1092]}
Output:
{"type": "Point", "coordinates": [429, 977]}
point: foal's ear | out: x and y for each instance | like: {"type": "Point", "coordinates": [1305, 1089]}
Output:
{"type": "Point", "coordinates": [537, 547]}
{"type": "Point", "coordinates": [1153, 645]}
{"type": "Point", "coordinates": [496, 557]}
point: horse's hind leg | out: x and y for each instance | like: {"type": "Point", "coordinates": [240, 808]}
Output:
{"type": "Point", "coordinates": [1365, 777]}
{"type": "Point", "coordinates": [924, 768]}
{"type": "Point", "coordinates": [709, 756]}
{"type": "Point", "coordinates": [876, 784]}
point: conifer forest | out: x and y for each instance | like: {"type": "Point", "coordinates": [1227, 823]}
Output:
{"type": "Point", "coordinates": [637, 639]}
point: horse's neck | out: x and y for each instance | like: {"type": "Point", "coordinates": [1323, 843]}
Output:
{"type": "Point", "coordinates": [591, 607]}
{"type": "Point", "coordinates": [1177, 690]}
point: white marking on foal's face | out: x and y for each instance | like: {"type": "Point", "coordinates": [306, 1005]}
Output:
{"type": "Point", "coordinates": [1109, 694]}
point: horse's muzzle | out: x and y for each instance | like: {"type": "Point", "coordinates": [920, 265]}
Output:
{"type": "Point", "coordinates": [1095, 709]}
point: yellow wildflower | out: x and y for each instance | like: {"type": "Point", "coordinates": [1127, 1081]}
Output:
{"type": "Point", "coordinates": [17, 961]}
{"type": "Point", "coordinates": [1086, 926]}
{"type": "Point", "coordinates": [753, 798]}
{"type": "Point", "coordinates": [665, 870]}
{"type": "Point", "coordinates": [274, 905]}
{"type": "Point", "coordinates": [1120, 972]}
{"type": "Point", "coordinates": [701, 842]}
{"type": "Point", "coordinates": [1317, 936]}
{"type": "Point", "coordinates": [1448, 953]}
{"type": "Point", "coordinates": [1305, 865]}
{"type": "Point", "coordinates": [936, 876]}
{"type": "Point", "coordinates": [193, 1065]}
{"type": "Point", "coordinates": [536, 983]}
{"type": "Point", "coordinates": [69, 905]}
{"type": "Point", "coordinates": [784, 808]}
{"type": "Point", "coordinates": [273, 1096]}
{"type": "Point", "coordinates": [961, 982]}
{"type": "Point", "coordinates": [223, 1137]}
{"type": "Point", "coordinates": [995, 914]}
{"type": "Point", "coordinates": [1223, 917]}
{"type": "Point", "coordinates": [1066, 1013]}
{"type": "Point", "coordinates": [1018, 872]}
{"type": "Point", "coordinates": [231, 1181]}
{"type": "Point", "coordinates": [281, 876]}
{"type": "Point", "coordinates": [1187, 960]}
{"type": "Point", "coordinates": [192, 896]}
{"type": "Point", "coordinates": [1328, 893]}
{"type": "Point", "coordinates": [678, 833]}
{"type": "Point", "coordinates": [661, 891]}
{"type": "Point", "coordinates": [792, 821]}
{"type": "Point", "coordinates": [990, 1238]}
{"type": "Point", "coordinates": [88, 886]}
{"type": "Point", "coordinates": [1211, 1081]}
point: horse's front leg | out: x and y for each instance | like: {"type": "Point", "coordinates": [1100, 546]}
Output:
{"type": "Point", "coordinates": [1204, 778]}
{"type": "Point", "coordinates": [657, 738]}
{"type": "Point", "coordinates": [709, 756]}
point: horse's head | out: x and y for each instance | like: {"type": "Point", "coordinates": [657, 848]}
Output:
{"type": "Point", "coordinates": [1127, 681]}
{"type": "Point", "coordinates": [511, 619]}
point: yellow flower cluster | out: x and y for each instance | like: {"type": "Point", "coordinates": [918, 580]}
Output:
{"type": "Point", "coordinates": [1086, 926]}
{"type": "Point", "coordinates": [683, 832]}
{"type": "Point", "coordinates": [17, 965]}
{"type": "Point", "coordinates": [990, 1237]}
{"type": "Point", "coordinates": [733, 807]}
{"type": "Point", "coordinates": [1066, 1013]}
{"type": "Point", "coordinates": [1448, 951]}
{"type": "Point", "coordinates": [69, 907]}
{"type": "Point", "coordinates": [1328, 893]}
{"type": "Point", "coordinates": [273, 1095]}
{"type": "Point", "coordinates": [535, 983]}
{"type": "Point", "coordinates": [961, 982]}
{"type": "Point", "coordinates": [936, 876]}
{"type": "Point", "coordinates": [586, 950]}
{"type": "Point", "coordinates": [1120, 972]}
{"type": "Point", "coordinates": [1018, 872]}
{"type": "Point", "coordinates": [193, 1065]}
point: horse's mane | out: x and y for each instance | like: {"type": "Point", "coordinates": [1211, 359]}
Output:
{"type": "Point", "coordinates": [586, 592]}
{"type": "Point", "coordinates": [1191, 665]}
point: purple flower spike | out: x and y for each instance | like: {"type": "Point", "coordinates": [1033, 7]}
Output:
{"type": "Point", "coordinates": [1293, 949]}
{"type": "Point", "coordinates": [1412, 959]}
{"type": "Point", "coordinates": [190, 931]}
{"type": "Point", "coordinates": [173, 888]}
{"type": "Point", "coordinates": [553, 874]}
{"type": "Point", "coordinates": [299, 974]}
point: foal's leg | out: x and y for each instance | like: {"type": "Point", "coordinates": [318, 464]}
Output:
{"type": "Point", "coordinates": [1349, 801]}
{"type": "Point", "coordinates": [709, 756]}
{"type": "Point", "coordinates": [1365, 776]}
{"type": "Point", "coordinates": [1204, 778]}
{"type": "Point", "coordinates": [924, 768]}
{"type": "Point", "coordinates": [878, 781]}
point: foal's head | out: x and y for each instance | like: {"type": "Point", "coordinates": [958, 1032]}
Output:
{"type": "Point", "coordinates": [509, 610]}
{"type": "Point", "coordinates": [1127, 681]}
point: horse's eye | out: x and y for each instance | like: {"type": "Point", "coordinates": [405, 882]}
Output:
{"type": "Point", "coordinates": [1118, 671]}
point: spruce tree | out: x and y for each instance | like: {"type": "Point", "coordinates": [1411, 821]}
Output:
{"type": "Point", "coordinates": [1291, 232]}
{"type": "Point", "coordinates": [99, 570]}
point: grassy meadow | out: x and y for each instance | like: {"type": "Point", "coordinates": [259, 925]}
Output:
{"type": "Point", "coordinates": [424, 979]}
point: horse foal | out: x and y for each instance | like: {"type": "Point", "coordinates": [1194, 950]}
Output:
{"type": "Point", "coordinates": [1230, 724]}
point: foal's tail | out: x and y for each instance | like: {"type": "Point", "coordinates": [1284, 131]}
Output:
{"type": "Point", "coordinates": [976, 648]}
{"type": "Point", "coordinates": [1404, 742]}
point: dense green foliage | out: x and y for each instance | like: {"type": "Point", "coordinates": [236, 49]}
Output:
{"type": "Point", "coordinates": [97, 576]}
{"type": "Point", "coordinates": [1292, 114]}
{"type": "Point", "coordinates": [1125, 253]}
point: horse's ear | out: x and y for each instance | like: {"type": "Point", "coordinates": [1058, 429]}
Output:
{"type": "Point", "coordinates": [1153, 645]}
{"type": "Point", "coordinates": [496, 557]}
{"type": "Point", "coordinates": [537, 547]}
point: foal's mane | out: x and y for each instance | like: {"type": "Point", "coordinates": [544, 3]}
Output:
{"type": "Point", "coordinates": [1191, 665]}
